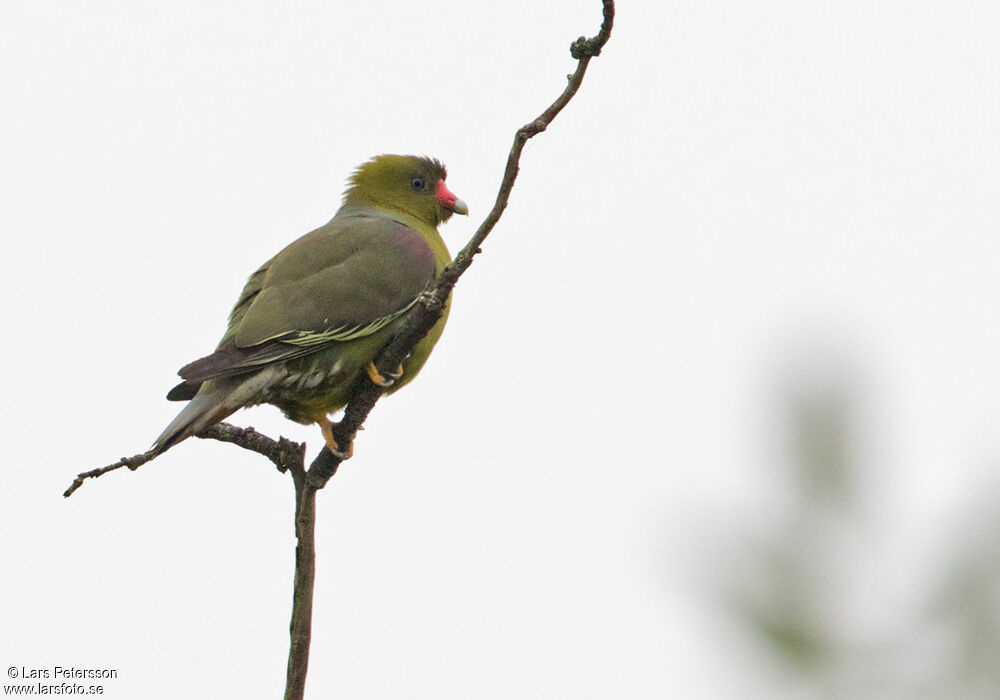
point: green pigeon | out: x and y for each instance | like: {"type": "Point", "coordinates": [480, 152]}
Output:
{"type": "Point", "coordinates": [311, 319]}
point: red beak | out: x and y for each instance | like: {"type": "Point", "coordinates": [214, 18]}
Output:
{"type": "Point", "coordinates": [449, 200]}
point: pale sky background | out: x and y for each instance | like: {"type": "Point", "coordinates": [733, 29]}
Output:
{"type": "Point", "coordinates": [745, 199]}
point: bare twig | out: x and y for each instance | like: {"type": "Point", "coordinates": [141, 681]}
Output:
{"type": "Point", "coordinates": [133, 463]}
{"type": "Point", "coordinates": [282, 452]}
{"type": "Point", "coordinates": [431, 305]}
{"type": "Point", "coordinates": [300, 628]}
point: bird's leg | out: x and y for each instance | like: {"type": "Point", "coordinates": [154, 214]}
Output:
{"type": "Point", "coordinates": [326, 427]}
{"type": "Point", "coordinates": [378, 379]}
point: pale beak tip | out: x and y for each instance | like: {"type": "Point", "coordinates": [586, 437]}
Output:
{"type": "Point", "coordinates": [460, 207]}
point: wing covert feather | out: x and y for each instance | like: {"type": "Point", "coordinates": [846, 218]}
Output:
{"type": "Point", "coordinates": [350, 273]}
{"type": "Point", "coordinates": [343, 281]}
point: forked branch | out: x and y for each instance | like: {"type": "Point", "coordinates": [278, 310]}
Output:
{"type": "Point", "coordinates": [289, 457]}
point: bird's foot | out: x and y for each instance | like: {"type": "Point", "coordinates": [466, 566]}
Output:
{"type": "Point", "coordinates": [378, 379]}
{"type": "Point", "coordinates": [326, 426]}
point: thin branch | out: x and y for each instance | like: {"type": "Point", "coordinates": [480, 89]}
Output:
{"type": "Point", "coordinates": [133, 463]}
{"type": "Point", "coordinates": [283, 453]}
{"type": "Point", "coordinates": [300, 628]}
{"type": "Point", "coordinates": [431, 304]}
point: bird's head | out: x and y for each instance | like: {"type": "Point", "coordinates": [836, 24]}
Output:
{"type": "Point", "coordinates": [411, 184]}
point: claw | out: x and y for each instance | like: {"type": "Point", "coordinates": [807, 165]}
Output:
{"type": "Point", "coordinates": [326, 427]}
{"type": "Point", "coordinates": [378, 379]}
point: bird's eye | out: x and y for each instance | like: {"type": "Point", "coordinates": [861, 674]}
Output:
{"type": "Point", "coordinates": [417, 183]}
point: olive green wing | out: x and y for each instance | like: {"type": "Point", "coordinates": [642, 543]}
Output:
{"type": "Point", "coordinates": [343, 281]}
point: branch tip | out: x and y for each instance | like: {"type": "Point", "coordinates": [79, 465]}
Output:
{"type": "Point", "coordinates": [583, 48]}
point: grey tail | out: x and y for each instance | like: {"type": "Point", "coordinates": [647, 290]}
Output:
{"type": "Point", "coordinates": [214, 402]}
{"type": "Point", "coordinates": [185, 391]}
